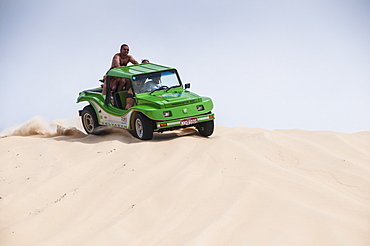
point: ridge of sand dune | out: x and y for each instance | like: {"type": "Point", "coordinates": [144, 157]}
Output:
{"type": "Point", "coordinates": [241, 186]}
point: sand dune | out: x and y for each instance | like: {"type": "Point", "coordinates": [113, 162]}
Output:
{"type": "Point", "coordinates": [241, 186]}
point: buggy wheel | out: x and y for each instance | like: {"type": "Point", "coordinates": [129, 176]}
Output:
{"type": "Point", "coordinates": [206, 128]}
{"type": "Point", "coordinates": [143, 127]}
{"type": "Point", "coordinates": [89, 120]}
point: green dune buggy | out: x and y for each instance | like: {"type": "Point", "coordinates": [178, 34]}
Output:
{"type": "Point", "coordinates": [161, 103]}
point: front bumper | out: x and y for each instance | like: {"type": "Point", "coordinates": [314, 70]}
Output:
{"type": "Point", "coordinates": [184, 122]}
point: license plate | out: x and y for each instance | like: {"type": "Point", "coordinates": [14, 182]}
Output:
{"type": "Point", "coordinates": [186, 122]}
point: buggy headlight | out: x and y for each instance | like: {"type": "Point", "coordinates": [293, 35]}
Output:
{"type": "Point", "coordinates": [200, 107]}
{"type": "Point", "coordinates": [167, 113]}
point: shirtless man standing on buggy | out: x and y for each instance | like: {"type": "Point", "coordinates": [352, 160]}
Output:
{"type": "Point", "coordinates": [120, 60]}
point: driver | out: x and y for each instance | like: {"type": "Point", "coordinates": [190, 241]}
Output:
{"type": "Point", "coordinates": [152, 83]}
{"type": "Point", "coordinates": [138, 85]}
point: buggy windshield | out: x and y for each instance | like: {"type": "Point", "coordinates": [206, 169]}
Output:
{"type": "Point", "coordinates": [155, 81]}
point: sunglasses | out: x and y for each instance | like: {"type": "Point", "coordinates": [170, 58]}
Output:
{"type": "Point", "coordinates": [126, 49]}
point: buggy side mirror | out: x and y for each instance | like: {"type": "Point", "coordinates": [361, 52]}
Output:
{"type": "Point", "coordinates": [187, 86]}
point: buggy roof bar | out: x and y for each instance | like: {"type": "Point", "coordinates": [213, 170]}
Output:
{"type": "Point", "coordinates": [129, 71]}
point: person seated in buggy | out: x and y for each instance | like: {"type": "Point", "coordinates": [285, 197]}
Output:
{"type": "Point", "coordinates": [138, 85]}
{"type": "Point", "coordinates": [145, 83]}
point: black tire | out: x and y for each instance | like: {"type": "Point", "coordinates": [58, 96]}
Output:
{"type": "Point", "coordinates": [143, 127]}
{"type": "Point", "coordinates": [206, 128]}
{"type": "Point", "coordinates": [89, 120]}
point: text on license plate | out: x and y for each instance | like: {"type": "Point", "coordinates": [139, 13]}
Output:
{"type": "Point", "coordinates": [186, 122]}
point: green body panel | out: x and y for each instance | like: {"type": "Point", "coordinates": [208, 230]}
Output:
{"type": "Point", "coordinates": [178, 112]}
{"type": "Point", "coordinates": [182, 106]}
{"type": "Point", "coordinates": [99, 99]}
{"type": "Point", "coordinates": [181, 103]}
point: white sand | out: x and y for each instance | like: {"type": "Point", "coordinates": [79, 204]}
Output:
{"type": "Point", "coordinates": [241, 186]}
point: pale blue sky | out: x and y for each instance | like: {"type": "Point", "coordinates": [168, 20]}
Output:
{"type": "Point", "coordinates": [266, 64]}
